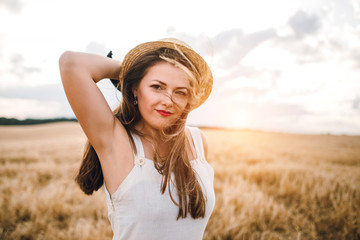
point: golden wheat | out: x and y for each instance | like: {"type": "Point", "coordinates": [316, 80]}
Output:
{"type": "Point", "coordinates": [268, 186]}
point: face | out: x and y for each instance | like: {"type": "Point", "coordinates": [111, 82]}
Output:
{"type": "Point", "coordinates": [162, 95]}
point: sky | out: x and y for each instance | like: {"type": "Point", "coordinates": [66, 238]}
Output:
{"type": "Point", "coordinates": [280, 65]}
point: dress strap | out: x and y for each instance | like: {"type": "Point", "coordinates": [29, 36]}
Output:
{"type": "Point", "coordinates": [139, 156]}
{"type": "Point", "coordinates": [199, 148]}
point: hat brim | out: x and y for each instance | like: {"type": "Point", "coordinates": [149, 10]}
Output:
{"type": "Point", "coordinates": [205, 82]}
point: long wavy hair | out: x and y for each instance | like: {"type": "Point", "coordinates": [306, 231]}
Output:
{"type": "Point", "coordinates": [175, 168]}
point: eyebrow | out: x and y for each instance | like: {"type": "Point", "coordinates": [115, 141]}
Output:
{"type": "Point", "coordinates": [162, 83]}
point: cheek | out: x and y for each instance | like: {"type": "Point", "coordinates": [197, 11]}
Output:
{"type": "Point", "coordinates": [144, 97]}
{"type": "Point", "coordinates": [182, 106]}
{"type": "Point", "coordinates": [146, 102]}
{"type": "Point", "coordinates": [181, 109]}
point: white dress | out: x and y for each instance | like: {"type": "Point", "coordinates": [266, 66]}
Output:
{"type": "Point", "coordinates": [138, 210]}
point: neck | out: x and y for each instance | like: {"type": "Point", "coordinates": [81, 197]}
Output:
{"type": "Point", "coordinates": [151, 135]}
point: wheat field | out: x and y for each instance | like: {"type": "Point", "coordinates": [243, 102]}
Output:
{"type": "Point", "coordinates": [268, 185]}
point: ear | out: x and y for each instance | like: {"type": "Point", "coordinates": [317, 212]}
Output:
{"type": "Point", "coordinates": [134, 90]}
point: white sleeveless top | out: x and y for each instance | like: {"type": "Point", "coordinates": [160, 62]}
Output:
{"type": "Point", "coordinates": [138, 210]}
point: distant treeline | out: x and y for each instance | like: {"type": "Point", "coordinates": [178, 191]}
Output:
{"type": "Point", "coordinates": [31, 121]}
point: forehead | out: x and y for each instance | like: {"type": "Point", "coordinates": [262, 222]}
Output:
{"type": "Point", "coordinates": [167, 73]}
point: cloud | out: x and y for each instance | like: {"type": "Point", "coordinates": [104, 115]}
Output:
{"type": "Point", "coordinates": [236, 110]}
{"type": "Point", "coordinates": [2, 38]}
{"type": "Point", "coordinates": [50, 92]}
{"type": "Point", "coordinates": [304, 23]}
{"type": "Point", "coordinates": [356, 103]}
{"type": "Point", "coordinates": [12, 5]}
{"type": "Point", "coordinates": [46, 100]}
{"type": "Point", "coordinates": [315, 39]}
{"type": "Point", "coordinates": [305, 53]}
{"type": "Point", "coordinates": [249, 84]}
{"type": "Point", "coordinates": [233, 45]}
{"type": "Point", "coordinates": [19, 68]}
{"type": "Point", "coordinates": [323, 39]}
{"type": "Point", "coordinates": [282, 110]}
{"type": "Point", "coordinates": [355, 58]}
{"type": "Point", "coordinates": [355, 5]}
{"type": "Point", "coordinates": [31, 108]}
{"type": "Point", "coordinates": [201, 43]}
{"type": "Point", "coordinates": [97, 48]}
{"type": "Point", "coordinates": [229, 47]}
{"type": "Point", "coordinates": [251, 73]}
{"type": "Point", "coordinates": [305, 42]}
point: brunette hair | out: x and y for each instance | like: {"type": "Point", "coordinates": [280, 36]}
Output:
{"type": "Point", "coordinates": [190, 196]}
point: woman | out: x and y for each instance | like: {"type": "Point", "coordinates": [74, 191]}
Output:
{"type": "Point", "coordinates": [157, 182]}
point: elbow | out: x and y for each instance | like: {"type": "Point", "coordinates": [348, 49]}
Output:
{"type": "Point", "coordinates": [66, 63]}
{"type": "Point", "coordinates": [65, 59]}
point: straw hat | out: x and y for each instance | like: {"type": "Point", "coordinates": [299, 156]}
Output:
{"type": "Point", "coordinates": [205, 79]}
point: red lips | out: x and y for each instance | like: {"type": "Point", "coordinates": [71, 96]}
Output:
{"type": "Point", "coordinates": [164, 113]}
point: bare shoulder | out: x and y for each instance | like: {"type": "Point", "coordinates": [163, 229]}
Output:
{"type": "Point", "coordinates": [203, 138]}
{"type": "Point", "coordinates": [205, 143]}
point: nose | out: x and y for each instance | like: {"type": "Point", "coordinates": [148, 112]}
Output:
{"type": "Point", "coordinates": [167, 99]}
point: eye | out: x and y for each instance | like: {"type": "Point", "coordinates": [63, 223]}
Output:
{"type": "Point", "coordinates": [156, 86]}
{"type": "Point", "coordinates": [181, 93]}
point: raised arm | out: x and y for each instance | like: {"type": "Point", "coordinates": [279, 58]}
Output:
{"type": "Point", "coordinates": [79, 74]}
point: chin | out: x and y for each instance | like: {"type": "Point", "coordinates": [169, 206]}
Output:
{"type": "Point", "coordinates": [161, 126]}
